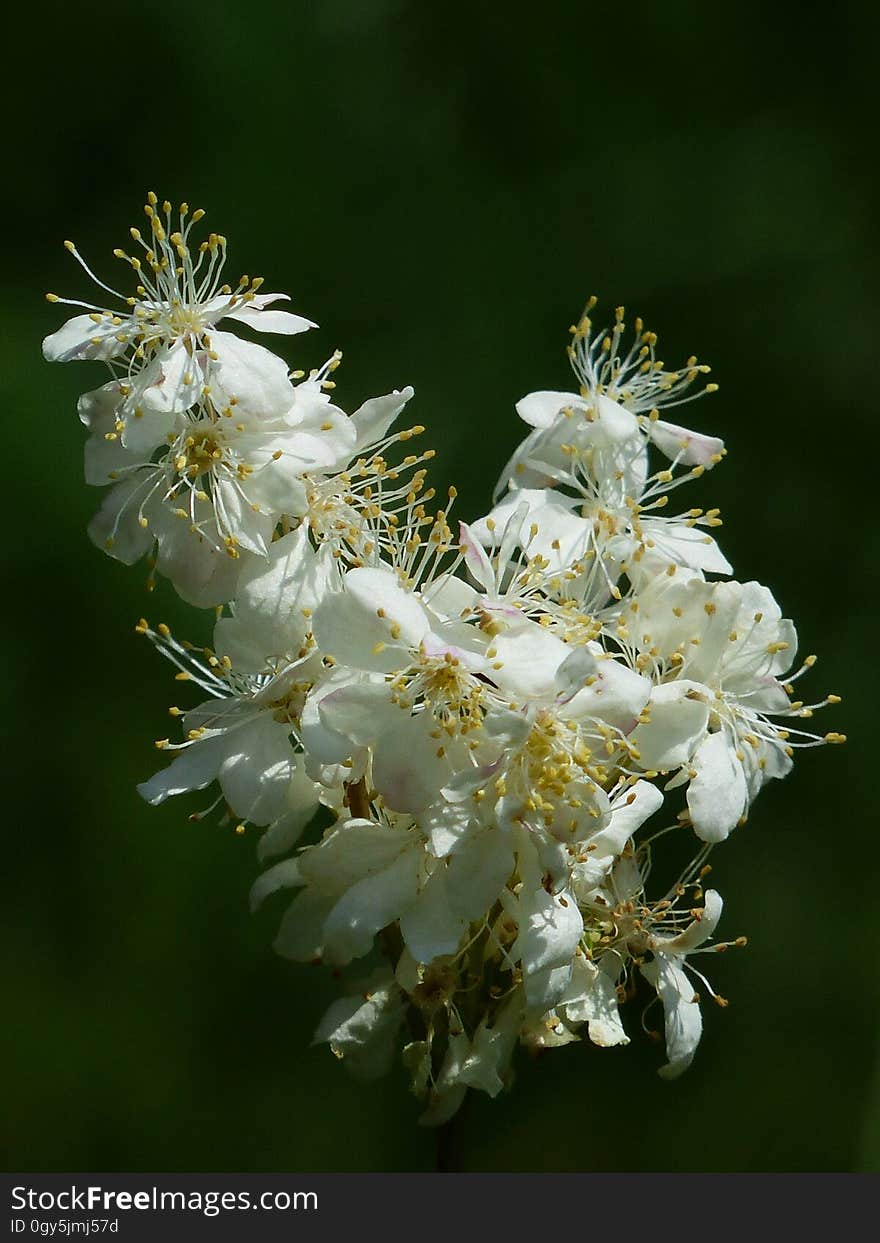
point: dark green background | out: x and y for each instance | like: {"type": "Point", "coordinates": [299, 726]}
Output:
{"type": "Point", "coordinates": [441, 187]}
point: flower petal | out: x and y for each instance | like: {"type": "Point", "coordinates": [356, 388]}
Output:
{"type": "Point", "coordinates": [271, 321]}
{"type": "Point", "coordinates": [691, 448]}
{"type": "Point", "coordinates": [82, 338]}
{"type": "Point", "coordinates": [431, 927]}
{"type": "Point", "coordinates": [250, 375]}
{"type": "Point", "coordinates": [679, 717]}
{"type": "Point", "coordinates": [717, 796]}
{"type": "Point", "coordinates": [683, 1021]}
{"type": "Point", "coordinates": [370, 905]}
{"type": "Point", "coordinates": [373, 419]}
{"type": "Point", "coordinates": [283, 875]}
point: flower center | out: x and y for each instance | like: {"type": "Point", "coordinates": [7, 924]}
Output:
{"type": "Point", "coordinates": [182, 320]}
{"type": "Point", "coordinates": [202, 451]}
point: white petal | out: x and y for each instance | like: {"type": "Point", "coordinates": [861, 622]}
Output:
{"type": "Point", "coordinates": [475, 558]}
{"type": "Point", "coordinates": [285, 832]}
{"type": "Point", "coordinates": [679, 717]}
{"type": "Point", "coordinates": [576, 670]}
{"type": "Point", "coordinates": [527, 661]}
{"type": "Point", "coordinates": [348, 626]}
{"type": "Point", "coordinates": [269, 620]}
{"type": "Point", "coordinates": [692, 448]}
{"type": "Point", "coordinates": [478, 870]}
{"type": "Point", "coordinates": [549, 932]}
{"type": "Point", "coordinates": [370, 905]}
{"type": "Point", "coordinates": [717, 796]}
{"type": "Point", "coordinates": [572, 1003]}
{"type": "Point", "coordinates": [488, 1061]}
{"type": "Point", "coordinates": [605, 1028]}
{"type": "Point", "coordinates": [237, 518]}
{"type": "Point", "coordinates": [351, 851]}
{"type": "Point", "coordinates": [172, 382]}
{"type": "Point", "coordinates": [406, 767]}
{"type": "Point", "coordinates": [705, 660]}
{"type": "Point", "coordinates": [448, 1092]}
{"type": "Point", "coordinates": [562, 536]}
{"type": "Point", "coordinates": [116, 528]}
{"type": "Point", "coordinates": [631, 809]}
{"type": "Point", "coordinates": [322, 744]}
{"type": "Point", "coordinates": [202, 574]}
{"type": "Point", "coordinates": [283, 875]}
{"type": "Point", "coordinates": [257, 769]}
{"type": "Point", "coordinates": [541, 409]}
{"type": "Point", "coordinates": [684, 1023]}
{"type": "Point", "coordinates": [256, 378]}
{"type": "Point", "coordinates": [628, 813]}
{"type": "Point", "coordinates": [373, 419]}
{"type": "Point", "coordinates": [617, 696]}
{"type": "Point", "coordinates": [315, 435]}
{"type": "Point", "coordinates": [697, 932]}
{"type": "Point", "coordinates": [687, 546]}
{"type": "Point", "coordinates": [363, 1029]}
{"type": "Point", "coordinates": [431, 927]}
{"type": "Point", "coordinates": [80, 337]}
{"type": "Point", "coordinates": [193, 768]}
{"type": "Point", "coordinates": [450, 597]}
{"type": "Point", "coordinates": [543, 989]}
{"type": "Point", "coordinates": [271, 321]}
{"type": "Point", "coordinates": [360, 712]}
{"type": "Point", "coordinates": [105, 458]}
{"type": "Point", "coordinates": [446, 824]}
{"type": "Point", "coordinates": [301, 935]}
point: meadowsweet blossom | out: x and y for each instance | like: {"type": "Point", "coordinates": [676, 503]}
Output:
{"type": "Point", "coordinates": [162, 340]}
{"type": "Point", "coordinates": [210, 485]}
{"type": "Point", "coordinates": [503, 724]}
{"type": "Point", "coordinates": [721, 654]}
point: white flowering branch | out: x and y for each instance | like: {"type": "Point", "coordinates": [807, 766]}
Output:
{"type": "Point", "coordinates": [496, 718]}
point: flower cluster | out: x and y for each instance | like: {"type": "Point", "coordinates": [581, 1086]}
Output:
{"type": "Point", "coordinates": [500, 721]}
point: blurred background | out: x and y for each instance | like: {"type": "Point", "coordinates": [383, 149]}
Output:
{"type": "Point", "coordinates": [440, 187]}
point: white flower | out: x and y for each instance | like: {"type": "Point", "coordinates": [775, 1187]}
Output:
{"type": "Point", "coordinates": [162, 340]}
{"type": "Point", "coordinates": [243, 742]}
{"type": "Point", "coordinates": [548, 908]}
{"type": "Point", "coordinates": [720, 653]}
{"type": "Point", "coordinates": [591, 510]}
{"type": "Point", "coordinates": [593, 424]}
{"type": "Point", "coordinates": [451, 713]}
{"type": "Point", "coordinates": [210, 485]}
{"type": "Point", "coordinates": [418, 689]}
{"type": "Point", "coordinates": [612, 386]}
{"type": "Point", "coordinates": [246, 738]}
{"type": "Point", "coordinates": [362, 877]}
